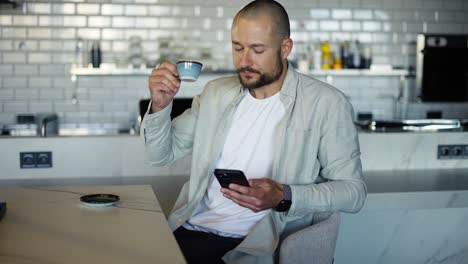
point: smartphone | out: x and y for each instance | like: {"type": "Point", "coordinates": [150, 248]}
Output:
{"type": "Point", "coordinates": [225, 177]}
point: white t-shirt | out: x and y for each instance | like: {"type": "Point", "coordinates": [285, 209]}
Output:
{"type": "Point", "coordinates": [249, 147]}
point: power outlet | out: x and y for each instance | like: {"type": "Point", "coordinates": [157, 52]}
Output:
{"type": "Point", "coordinates": [452, 152]}
{"type": "Point", "coordinates": [31, 160]}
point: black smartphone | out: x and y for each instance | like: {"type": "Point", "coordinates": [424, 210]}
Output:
{"type": "Point", "coordinates": [225, 177]}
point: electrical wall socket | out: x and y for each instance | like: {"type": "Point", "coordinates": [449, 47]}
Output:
{"type": "Point", "coordinates": [39, 159]}
{"type": "Point", "coordinates": [452, 152]}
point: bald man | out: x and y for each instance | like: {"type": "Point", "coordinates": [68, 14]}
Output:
{"type": "Point", "coordinates": [292, 136]}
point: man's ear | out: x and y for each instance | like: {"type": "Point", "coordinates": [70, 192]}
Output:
{"type": "Point", "coordinates": [286, 48]}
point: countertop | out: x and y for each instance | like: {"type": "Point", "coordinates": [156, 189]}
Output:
{"type": "Point", "coordinates": [50, 225]}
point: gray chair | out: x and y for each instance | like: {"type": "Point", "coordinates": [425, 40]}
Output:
{"type": "Point", "coordinates": [314, 244]}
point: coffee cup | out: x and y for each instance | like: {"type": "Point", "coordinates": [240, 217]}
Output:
{"type": "Point", "coordinates": [189, 70]}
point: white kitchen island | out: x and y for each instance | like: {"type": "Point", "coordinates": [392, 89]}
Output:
{"type": "Point", "coordinates": [416, 210]}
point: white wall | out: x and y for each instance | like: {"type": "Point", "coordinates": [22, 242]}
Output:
{"type": "Point", "coordinates": [37, 48]}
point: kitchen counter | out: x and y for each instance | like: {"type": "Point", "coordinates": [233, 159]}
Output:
{"type": "Point", "coordinates": [416, 180]}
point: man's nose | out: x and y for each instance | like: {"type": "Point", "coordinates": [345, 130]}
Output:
{"type": "Point", "coordinates": [246, 59]}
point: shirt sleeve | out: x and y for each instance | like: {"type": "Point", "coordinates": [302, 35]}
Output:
{"type": "Point", "coordinates": [339, 157]}
{"type": "Point", "coordinates": [167, 141]}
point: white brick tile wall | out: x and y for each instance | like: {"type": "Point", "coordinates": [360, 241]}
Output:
{"type": "Point", "coordinates": [62, 82]}
{"type": "Point", "coordinates": [15, 82]}
{"type": "Point", "coordinates": [184, 11]}
{"type": "Point", "coordinates": [26, 69]}
{"type": "Point", "coordinates": [16, 106]}
{"type": "Point", "coordinates": [39, 57]}
{"type": "Point", "coordinates": [136, 32]}
{"type": "Point", "coordinates": [135, 10]}
{"type": "Point", "coordinates": [50, 21]}
{"type": "Point", "coordinates": [65, 33]}
{"type": "Point", "coordinates": [319, 13]}
{"type": "Point", "coordinates": [7, 94]}
{"type": "Point", "coordinates": [113, 34]}
{"type": "Point", "coordinates": [6, 45]}
{"type": "Point", "coordinates": [52, 69]}
{"type": "Point", "coordinates": [23, 94]}
{"type": "Point", "coordinates": [146, 23]}
{"type": "Point", "coordinates": [100, 117]}
{"type": "Point", "coordinates": [89, 33]}
{"type": "Point", "coordinates": [350, 25]}
{"type": "Point", "coordinates": [371, 26]}
{"type": "Point", "coordinates": [341, 14]}
{"type": "Point", "coordinates": [40, 106]}
{"type": "Point", "coordinates": [98, 21]}
{"type": "Point", "coordinates": [123, 22]}
{"type": "Point", "coordinates": [100, 94]}
{"type": "Point", "coordinates": [14, 57]}
{"type": "Point", "coordinates": [65, 106]}
{"type": "Point", "coordinates": [74, 21]}
{"type": "Point", "coordinates": [160, 10]}
{"type": "Point", "coordinates": [40, 82]}
{"type": "Point", "coordinates": [68, 8]}
{"type": "Point", "coordinates": [49, 45]}
{"type": "Point", "coordinates": [17, 32]}
{"type": "Point", "coordinates": [329, 25]}
{"type": "Point", "coordinates": [88, 9]}
{"type": "Point", "coordinates": [25, 20]}
{"type": "Point", "coordinates": [371, 3]}
{"type": "Point", "coordinates": [40, 45]}
{"type": "Point", "coordinates": [112, 9]}
{"type": "Point", "coordinates": [89, 106]}
{"type": "Point", "coordinates": [6, 69]}
{"type": "Point", "coordinates": [5, 20]}
{"type": "Point", "coordinates": [362, 14]}
{"type": "Point", "coordinates": [39, 33]}
{"type": "Point", "coordinates": [20, 45]}
{"type": "Point", "coordinates": [39, 8]}
{"type": "Point", "coordinates": [76, 117]}
{"type": "Point", "coordinates": [115, 106]}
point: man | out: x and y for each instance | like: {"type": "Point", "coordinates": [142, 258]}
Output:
{"type": "Point", "coordinates": [292, 135]}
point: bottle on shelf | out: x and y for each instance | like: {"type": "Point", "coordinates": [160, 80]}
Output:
{"type": "Point", "coordinates": [317, 58]}
{"type": "Point", "coordinates": [96, 56]}
{"type": "Point", "coordinates": [366, 57]}
{"type": "Point", "coordinates": [354, 60]}
{"type": "Point", "coordinates": [336, 58]}
{"type": "Point", "coordinates": [326, 56]}
{"type": "Point", "coordinates": [344, 51]}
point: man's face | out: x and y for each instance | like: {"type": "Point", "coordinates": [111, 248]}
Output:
{"type": "Point", "coordinates": [256, 51]}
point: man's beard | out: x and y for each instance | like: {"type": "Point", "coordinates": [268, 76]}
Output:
{"type": "Point", "coordinates": [264, 78]}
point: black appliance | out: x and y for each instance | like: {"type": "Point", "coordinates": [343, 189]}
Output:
{"type": "Point", "coordinates": [179, 105]}
{"type": "Point", "coordinates": [442, 68]}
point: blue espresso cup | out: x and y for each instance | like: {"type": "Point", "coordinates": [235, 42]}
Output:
{"type": "Point", "coordinates": [189, 70]}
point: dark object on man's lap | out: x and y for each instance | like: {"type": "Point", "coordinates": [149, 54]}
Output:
{"type": "Point", "coordinates": [202, 247]}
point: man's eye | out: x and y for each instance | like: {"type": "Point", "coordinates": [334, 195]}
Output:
{"type": "Point", "coordinates": [259, 51]}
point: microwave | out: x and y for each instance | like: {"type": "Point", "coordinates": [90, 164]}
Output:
{"type": "Point", "coordinates": [442, 68]}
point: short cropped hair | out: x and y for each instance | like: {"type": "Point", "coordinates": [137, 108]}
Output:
{"type": "Point", "coordinates": [271, 8]}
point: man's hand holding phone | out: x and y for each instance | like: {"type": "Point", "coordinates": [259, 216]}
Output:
{"type": "Point", "coordinates": [258, 195]}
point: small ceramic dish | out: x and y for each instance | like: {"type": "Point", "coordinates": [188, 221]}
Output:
{"type": "Point", "coordinates": [100, 199]}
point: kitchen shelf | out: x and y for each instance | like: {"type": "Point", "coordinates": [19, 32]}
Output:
{"type": "Point", "coordinates": [358, 72]}
{"type": "Point", "coordinates": [109, 70]}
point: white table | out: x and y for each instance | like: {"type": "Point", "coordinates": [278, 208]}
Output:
{"type": "Point", "coordinates": [50, 225]}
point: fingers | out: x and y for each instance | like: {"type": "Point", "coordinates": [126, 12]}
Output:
{"type": "Point", "coordinates": [246, 201]}
{"type": "Point", "coordinates": [170, 67]}
{"type": "Point", "coordinates": [165, 74]}
{"type": "Point", "coordinates": [163, 84]}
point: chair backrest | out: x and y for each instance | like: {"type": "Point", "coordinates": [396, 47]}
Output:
{"type": "Point", "coordinates": [314, 244]}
